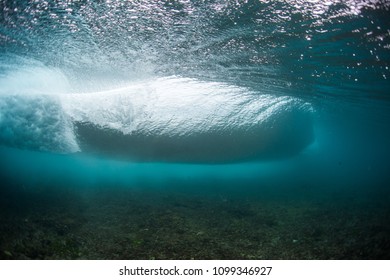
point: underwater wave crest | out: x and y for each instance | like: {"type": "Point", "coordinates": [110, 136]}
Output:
{"type": "Point", "coordinates": [164, 119]}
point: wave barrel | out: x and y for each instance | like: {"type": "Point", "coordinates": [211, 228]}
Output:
{"type": "Point", "coordinates": [183, 120]}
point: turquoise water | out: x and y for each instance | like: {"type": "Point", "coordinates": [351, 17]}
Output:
{"type": "Point", "coordinates": [284, 101]}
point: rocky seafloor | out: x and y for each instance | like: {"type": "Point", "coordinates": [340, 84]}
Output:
{"type": "Point", "coordinates": [172, 223]}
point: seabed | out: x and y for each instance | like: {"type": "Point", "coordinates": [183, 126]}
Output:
{"type": "Point", "coordinates": [111, 222]}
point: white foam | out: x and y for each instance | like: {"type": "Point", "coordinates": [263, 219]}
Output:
{"type": "Point", "coordinates": [33, 79]}
{"type": "Point", "coordinates": [36, 122]}
{"type": "Point", "coordinates": [174, 119]}
{"type": "Point", "coordinates": [174, 106]}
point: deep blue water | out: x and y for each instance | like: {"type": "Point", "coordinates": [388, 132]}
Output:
{"type": "Point", "coordinates": [237, 98]}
